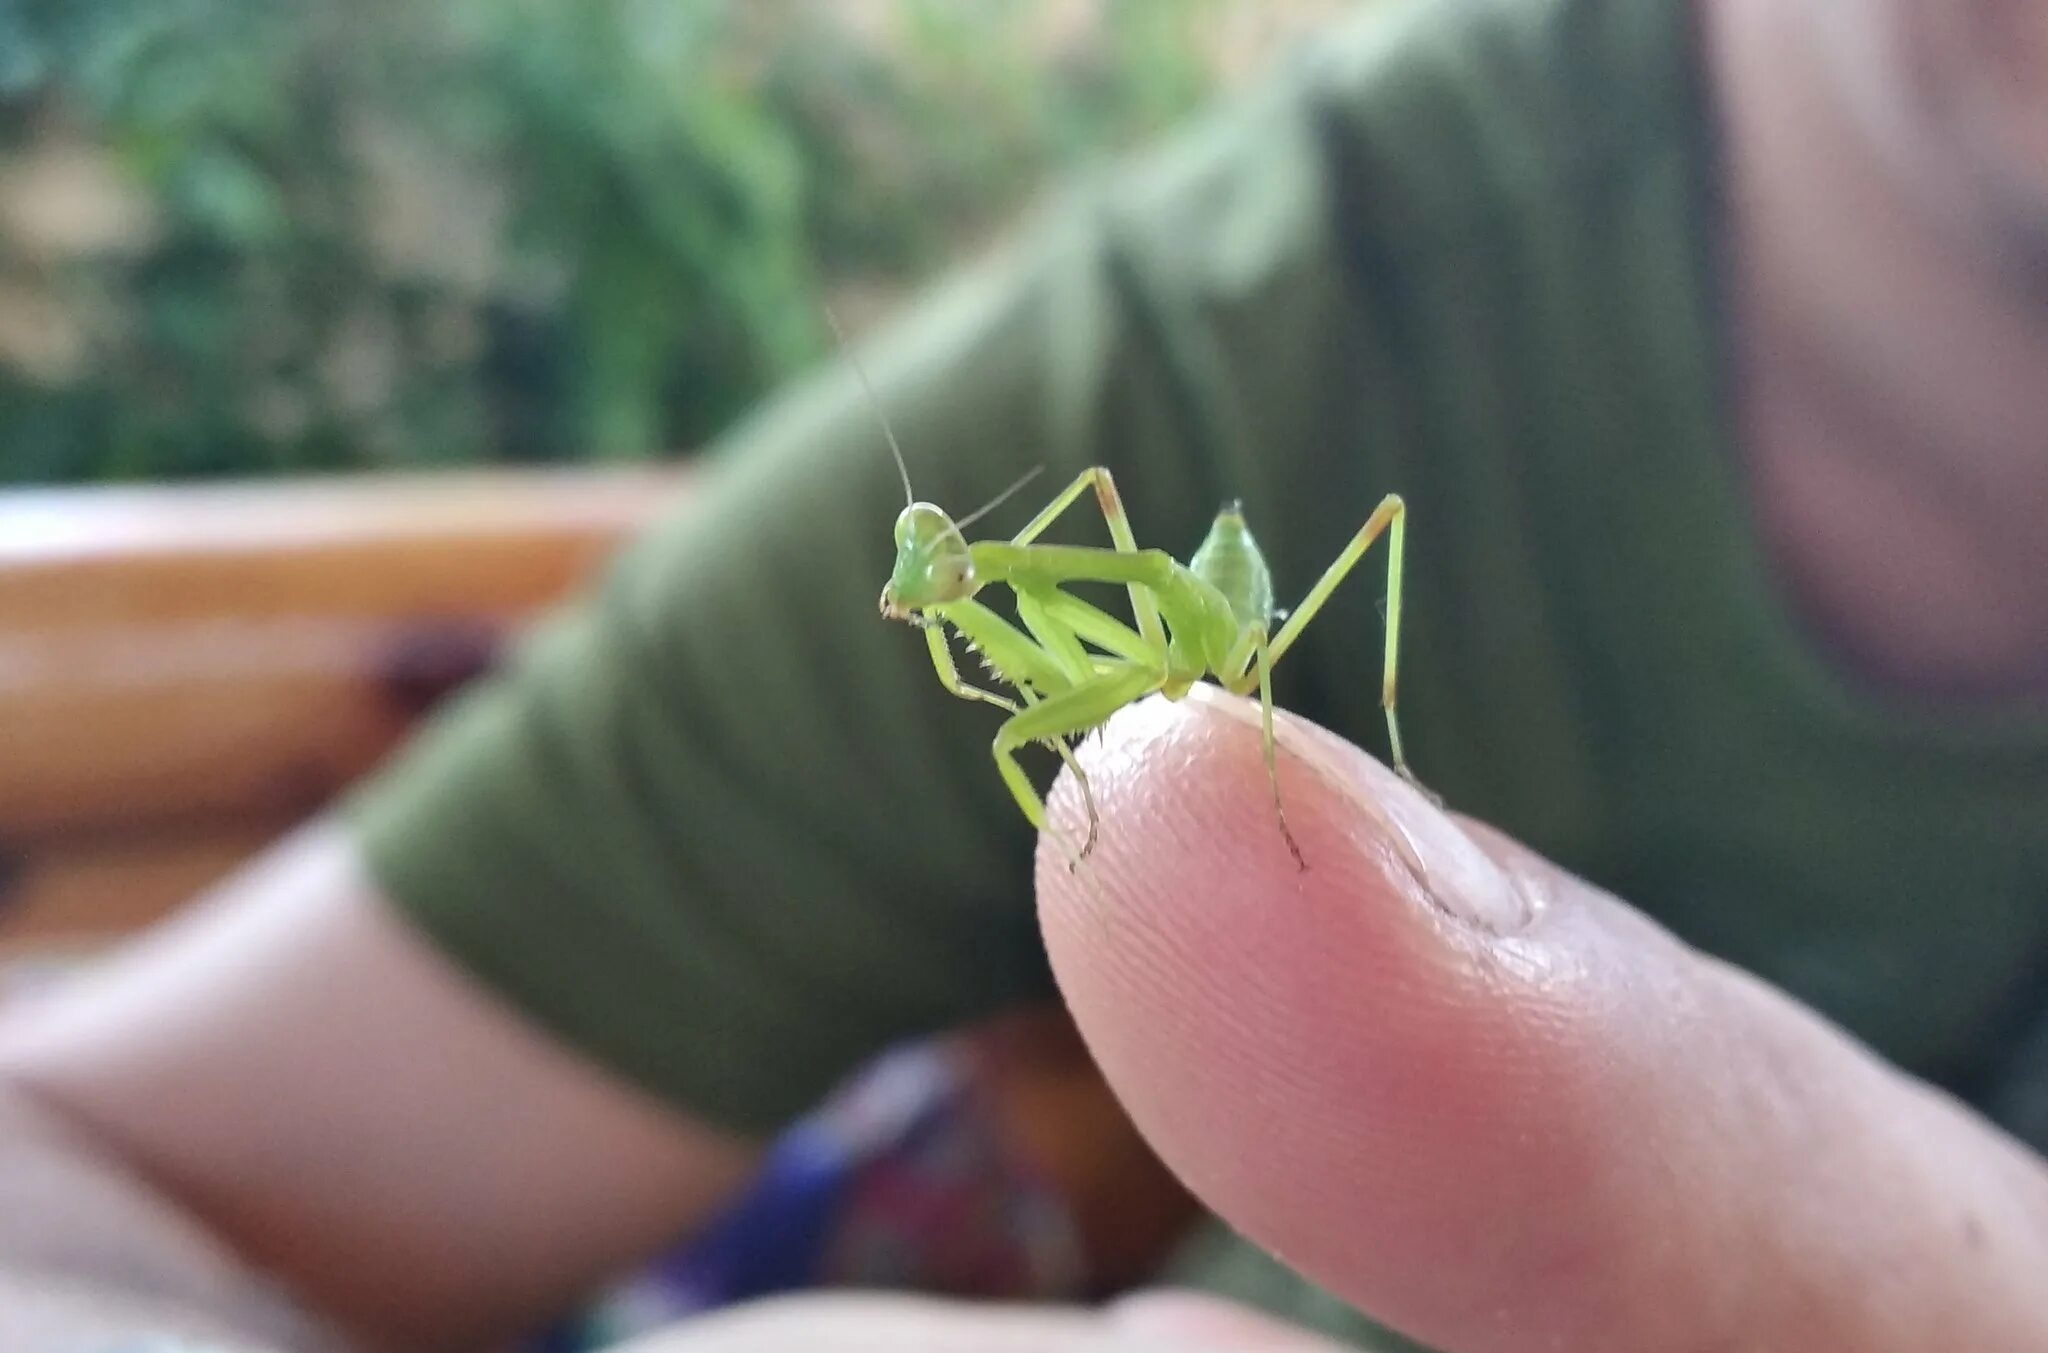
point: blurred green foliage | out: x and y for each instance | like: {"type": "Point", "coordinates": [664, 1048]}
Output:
{"type": "Point", "coordinates": [244, 237]}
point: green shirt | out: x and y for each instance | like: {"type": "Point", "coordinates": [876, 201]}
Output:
{"type": "Point", "coordinates": [720, 829]}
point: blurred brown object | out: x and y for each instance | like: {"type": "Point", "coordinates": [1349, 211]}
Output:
{"type": "Point", "coordinates": [187, 672]}
{"type": "Point", "coordinates": [1055, 1110]}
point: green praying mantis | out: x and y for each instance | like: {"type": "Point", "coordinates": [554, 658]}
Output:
{"type": "Point", "coordinates": [1072, 664]}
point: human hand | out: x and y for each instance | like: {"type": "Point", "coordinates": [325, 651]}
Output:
{"type": "Point", "coordinates": [1490, 1104]}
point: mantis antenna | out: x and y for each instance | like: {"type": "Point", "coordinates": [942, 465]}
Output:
{"type": "Point", "coordinates": [860, 372]}
{"type": "Point", "coordinates": [1001, 498]}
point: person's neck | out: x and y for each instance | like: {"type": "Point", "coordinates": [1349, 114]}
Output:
{"type": "Point", "coordinates": [1890, 366]}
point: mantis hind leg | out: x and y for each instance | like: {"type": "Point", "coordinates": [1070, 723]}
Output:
{"type": "Point", "coordinates": [1251, 666]}
{"type": "Point", "coordinates": [1263, 655]}
{"type": "Point", "coordinates": [1390, 519]}
{"type": "Point", "coordinates": [1062, 716]}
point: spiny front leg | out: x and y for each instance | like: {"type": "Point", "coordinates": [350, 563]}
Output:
{"type": "Point", "coordinates": [949, 677]}
{"type": "Point", "coordinates": [1067, 714]}
{"type": "Point", "coordinates": [949, 673]}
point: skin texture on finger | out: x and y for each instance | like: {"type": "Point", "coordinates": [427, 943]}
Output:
{"type": "Point", "coordinates": [1487, 1103]}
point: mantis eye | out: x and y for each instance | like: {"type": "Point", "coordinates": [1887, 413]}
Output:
{"type": "Point", "coordinates": [933, 564]}
{"type": "Point", "coordinates": [952, 572]}
{"type": "Point", "coordinates": [923, 526]}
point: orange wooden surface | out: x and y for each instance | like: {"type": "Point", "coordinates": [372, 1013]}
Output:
{"type": "Point", "coordinates": [185, 672]}
{"type": "Point", "coordinates": [85, 899]}
{"type": "Point", "coordinates": [107, 734]}
{"type": "Point", "coordinates": [427, 544]}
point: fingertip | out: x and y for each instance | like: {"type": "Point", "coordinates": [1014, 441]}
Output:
{"type": "Point", "coordinates": [1186, 779]}
{"type": "Point", "coordinates": [1474, 1095]}
{"type": "Point", "coordinates": [1309, 1049]}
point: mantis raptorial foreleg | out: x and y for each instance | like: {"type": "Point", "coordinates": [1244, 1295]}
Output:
{"type": "Point", "coordinates": [1012, 653]}
{"type": "Point", "coordinates": [1057, 639]}
{"type": "Point", "coordinates": [1096, 626]}
{"type": "Point", "coordinates": [1143, 606]}
{"type": "Point", "coordinates": [949, 673]}
{"type": "Point", "coordinates": [1389, 517]}
{"type": "Point", "coordinates": [949, 677]}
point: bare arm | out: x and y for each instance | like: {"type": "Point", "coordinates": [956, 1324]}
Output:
{"type": "Point", "coordinates": [293, 1065]}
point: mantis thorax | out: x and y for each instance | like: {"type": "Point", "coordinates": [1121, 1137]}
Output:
{"type": "Point", "coordinates": [933, 565]}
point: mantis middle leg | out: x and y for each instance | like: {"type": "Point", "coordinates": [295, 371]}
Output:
{"type": "Point", "coordinates": [1061, 716]}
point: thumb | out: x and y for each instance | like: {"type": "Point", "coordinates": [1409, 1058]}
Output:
{"type": "Point", "coordinates": [1489, 1104]}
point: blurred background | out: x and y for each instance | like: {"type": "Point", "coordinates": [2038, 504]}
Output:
{"type": "Point", "coordinates": [240, 238]}
{"type": "Point", "coordinates": [262, 266]}
{"type": "Point", "coordinates": [259, 264]}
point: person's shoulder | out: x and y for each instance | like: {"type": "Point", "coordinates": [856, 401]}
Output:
{"type": "Point", "coordinates": [1441, 110]}
{"type": "Point", "coordinates": [1450, 109]}
{"type": "Point", "coordinates": [1412, 121]}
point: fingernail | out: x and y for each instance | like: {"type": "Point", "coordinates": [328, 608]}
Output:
{"type": "Point", "coordinates": [1448, 867]}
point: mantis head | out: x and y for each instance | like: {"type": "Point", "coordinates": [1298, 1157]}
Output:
{"type": "Point", "coordinates": [933, 565]}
